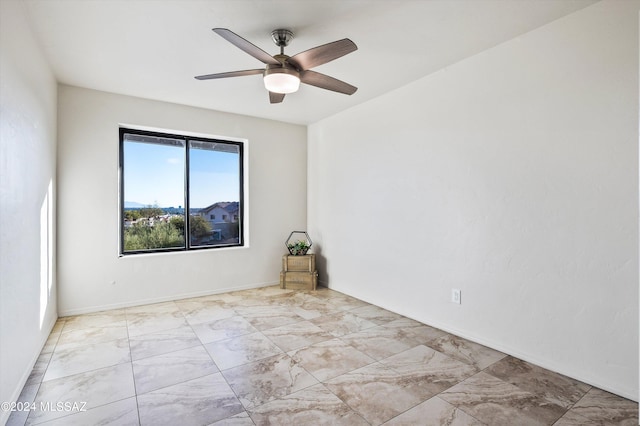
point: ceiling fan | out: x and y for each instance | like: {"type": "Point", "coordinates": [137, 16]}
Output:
{"type": "Point", "coordinates": [284, 73]}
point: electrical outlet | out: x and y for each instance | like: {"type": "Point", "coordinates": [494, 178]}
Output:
{"type": "Point", "coordinates": [456, 296]}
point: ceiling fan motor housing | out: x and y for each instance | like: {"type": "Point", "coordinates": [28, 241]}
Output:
{"type": "Point", "coordinates": [281, 37]}
{"type": "Point", "coordinates": [283, 78]}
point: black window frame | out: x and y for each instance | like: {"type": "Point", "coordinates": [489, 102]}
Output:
{"type": "Point", "coordinates": [187, 138]}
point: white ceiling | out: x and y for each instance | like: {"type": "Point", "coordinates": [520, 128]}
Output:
{"type": "Point", "coordinates": [154, 48]}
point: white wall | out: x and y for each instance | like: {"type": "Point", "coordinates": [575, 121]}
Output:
{"type": "Point", "coordinates": [27, 200]}
{"type": "Point", "coordinates": [515, 177]}
{"type": "Point", "coordinates": [88, 224]}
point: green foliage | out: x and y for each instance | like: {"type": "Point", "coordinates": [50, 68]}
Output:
{"type": "Point", "coordinates": [198, 226]}
{"type": "Point", "coordinates": [161, 235]}
{"type": "Point", "coordinates": [178, 223]}
{"type": "Point", "coordinates": [300, 247]}
{"type": "Point", "coordinates": [142, 236]}
{"type": "Point", "coordinates": [132, 214]}
{"type": "Point", "coordinates": [149, 212]}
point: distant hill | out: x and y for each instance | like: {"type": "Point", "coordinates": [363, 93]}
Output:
{"type": "Point", "coordinates": [133, 205]}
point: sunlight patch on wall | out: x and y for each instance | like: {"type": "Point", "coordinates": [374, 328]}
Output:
{"type": "Point", "coordinates": [46, 251]}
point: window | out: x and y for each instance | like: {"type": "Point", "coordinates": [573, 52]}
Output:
{"type": "Point", "coordinates": [170, 184]}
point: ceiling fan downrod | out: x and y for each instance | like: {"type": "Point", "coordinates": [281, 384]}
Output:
{"type": "Point", "coordinates": [281, 37]}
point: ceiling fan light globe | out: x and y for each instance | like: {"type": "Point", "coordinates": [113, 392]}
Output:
{"type": "Point", "coordinates": [281, 80]}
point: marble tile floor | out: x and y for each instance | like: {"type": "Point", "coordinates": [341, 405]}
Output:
{"type": "Point", "coordinates": [278, 357]}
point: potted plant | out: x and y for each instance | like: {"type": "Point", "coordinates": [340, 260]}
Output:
{"type": "Point", "coordinates": [300, 246]}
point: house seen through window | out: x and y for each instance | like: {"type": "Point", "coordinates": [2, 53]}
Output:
{"type": "Point", "coordinates": [174, 187]}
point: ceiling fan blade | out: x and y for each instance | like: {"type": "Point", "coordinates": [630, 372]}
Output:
{"type": "Point", "coordinates": [276, 98]}
{"type": "Point", "coordinates": [229, 74]}
{"type": "Point", "coordinates": [322, 54]}
{"type": "Point", "coordinates": [245, 46]}
{"type": "Point", "coordinates": [325, 82]}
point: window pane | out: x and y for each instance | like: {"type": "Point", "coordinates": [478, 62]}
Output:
{"type": "Point", "coordinates": [214, 193]}
{"type": "Point", "coordinates": [153, 185]}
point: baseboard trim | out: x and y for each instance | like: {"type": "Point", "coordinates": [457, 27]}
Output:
{"type": "Point", "coordinates": [544, 363]}
{"type": "Point", "coordinates": [139, 302]}
{"type": "Point", "coordinates": [4, 415]}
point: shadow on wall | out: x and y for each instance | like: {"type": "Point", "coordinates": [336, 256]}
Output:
{"type": "Point", "coordinates": [321, 266]}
